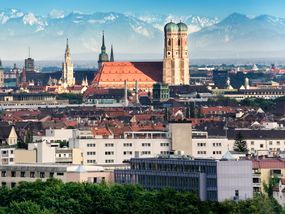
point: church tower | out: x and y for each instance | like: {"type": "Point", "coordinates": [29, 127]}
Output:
{"type": "Point", "coordinates": [67, 68]}
{"type": "Point", "coordinates": [175, 61]}
{"type": "Point", "coordinates": [103, 56]}
{"type": "Point", "coordinates": [112, 54]}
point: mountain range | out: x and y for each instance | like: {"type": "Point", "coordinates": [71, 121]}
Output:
{"type": "Point", "coordinates": [136, 36]}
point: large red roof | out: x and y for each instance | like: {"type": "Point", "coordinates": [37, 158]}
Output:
{"type": "Point", "coordinates": [113, 74]}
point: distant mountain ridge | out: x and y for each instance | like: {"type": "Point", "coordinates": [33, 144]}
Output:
{"type": "Point", "coordinates": [137, 35]}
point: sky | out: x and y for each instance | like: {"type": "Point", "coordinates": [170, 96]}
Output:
{"type": "Point", "coordinates": [217, 8]}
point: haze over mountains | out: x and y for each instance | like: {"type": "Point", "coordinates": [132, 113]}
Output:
{"type": "Point", "coordinates": [136, 36]}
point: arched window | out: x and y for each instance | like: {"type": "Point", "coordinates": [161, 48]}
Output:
{"type": "Point", "coordinates": [178, 42]}
{"type": "Point", "coordinates": [169, 42]}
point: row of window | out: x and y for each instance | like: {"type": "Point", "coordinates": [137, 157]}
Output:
{"type": "Point", "coordinates": [127, 144]}
{"type": "Point", "coordinates": [31, 175]}
{"type": "Point", "coordinates": [205, 152]}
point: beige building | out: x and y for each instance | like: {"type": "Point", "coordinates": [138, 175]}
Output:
{"type": "Point", "coordinates": [181, 137]}
{"type": "Point", "coordinates": [11, 175]}
{"type": "Point", "coordinates": [176, 61]}
{"type": "Point", "coordinates": [25, 156]}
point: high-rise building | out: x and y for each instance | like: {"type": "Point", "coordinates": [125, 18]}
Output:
{"type": "Point", "coordinates": [103, 56]}
{"type": "Point", "coordinates": [67, 68]}
{"type": "Point", "coordinates": [175, 61]}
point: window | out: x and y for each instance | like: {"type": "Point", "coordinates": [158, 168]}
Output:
{"type": "Point", "coordinates": [164, 152]}
{"type": "Point", "coordinates": [3, 173]}
{"type": "Point", "coordinates": [109, 153]}
{"type": "Point", "coordinates": [109, 161]}
{"type": "Point", "coordinates": [201, 152]}
{"type": "Point", "coordinates": [51, 174]}
{"type": "Point", "coordinates": [3, 184]}
{"type": "Point", "coordinates": [60, 174]}
{"type": "Point", "coordinates": [13, 174]}
{"type": "Point", "coordinates": [128, 145]}
{"type": "Point", "coordinates": [42, 174]}
{"type": "Point", "coordinates": [278, 143]}
{"type": "Point", "coordinates": [164, 144]}
{"type": "Point", "coordinates": [145, 152]}
{"type": "Point", "coordinates": [201, 144]}
{"type": "Point", "coordinates": [91, 161]}
{"type": "Point", "coordinates": [109, 145]}
{"type": "Point", "coordinates": [23, 174]}
{"type": "Point", "coordinates": [261, 145]}
{"type": "Point", "coordinates": [270, 143]}
{"type": "Point", "coordinates": [91, 153]}
{"type": "Point", "coordinates": [13, 184]}
{"type": "Point", "coordinates": [128, 153]}
{"type": "Point", "coordinates": [91, 145]}
{"type": "Point", "coordinates": [32, 174]}
{"type": "Point", "coordinates": [252, 143]}
{"type": "Point", "coordinates": [145, 144]}
{"type": "Point", "coordinates": [11, 152]}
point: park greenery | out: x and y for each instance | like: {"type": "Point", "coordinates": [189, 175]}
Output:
{"type": "Point", "coordinates": [54, 196]}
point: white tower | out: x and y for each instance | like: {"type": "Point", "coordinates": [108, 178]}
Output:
{"type": "Point", "coordinates": [67, 68]}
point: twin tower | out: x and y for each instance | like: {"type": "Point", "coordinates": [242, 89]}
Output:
{"type": "Point", "coordinates": [176, 61]}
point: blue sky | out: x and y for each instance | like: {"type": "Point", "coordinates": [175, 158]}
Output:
{"type": "Point", "coordinates": [219, 8]}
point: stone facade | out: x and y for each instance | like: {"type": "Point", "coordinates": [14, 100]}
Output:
{"type": "Point", "coordinates": [175, 61]}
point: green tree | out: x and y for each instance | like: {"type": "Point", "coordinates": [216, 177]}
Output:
{"type": "Point", "coordinates": [240, 143]}
{"type": "Point", "coordinates": [268, 188]}
{"type": "Point", "coordinates": [27, 207]}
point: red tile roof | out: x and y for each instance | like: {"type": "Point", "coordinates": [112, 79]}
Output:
{"type": "Point", "coordinates": [113, 74]}
{"type": "Point", "coordinates": [268, 164]}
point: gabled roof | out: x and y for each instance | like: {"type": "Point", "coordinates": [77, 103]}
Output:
{"type": "Point", "coordinates": [149, 72]}
{"type": "Point", "coordinates": [5, 131]}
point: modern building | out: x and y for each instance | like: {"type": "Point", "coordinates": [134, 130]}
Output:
{"type": "Point", "coordinates": [207, 178]}
{"type": "Point", "coordinates": [11, 175]}
{"type": "Point", "coordinates": [67, 69]}
{"type": "Point", "coordinates": [160, 92]}
{"type": "Point", "coordinates": [105, 148]}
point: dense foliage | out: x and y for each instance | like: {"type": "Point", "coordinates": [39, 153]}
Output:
{"type": "Point", "coordinates": [54, 196]}
{"type": "Point", "coordinates": [240, 144]}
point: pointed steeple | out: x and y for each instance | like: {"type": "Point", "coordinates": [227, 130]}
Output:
{"type": "Point", "coordinates": [103, 47]}
{"type": "Point", "coordinates": [112, 54]}
{"type": "Point", "coordinates": [67, 51]}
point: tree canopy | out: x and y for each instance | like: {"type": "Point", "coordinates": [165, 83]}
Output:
{"type": "Point", "coordinates": [54, 196]}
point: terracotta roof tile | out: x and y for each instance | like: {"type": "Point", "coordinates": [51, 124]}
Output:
{"type": "Point", "coordinates": [113, 74]}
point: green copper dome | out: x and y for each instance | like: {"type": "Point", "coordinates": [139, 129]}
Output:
{"type": "Point", "coordinates": [182, 27]}
{"type": "Point", "coordinates": [171, 27]}
{"type": "Point", "coordinates": [103, 57]}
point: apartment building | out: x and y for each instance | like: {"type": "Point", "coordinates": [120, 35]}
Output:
{"type": "Point", "coordinates": [11, 175]}
{"type": "Point", "coordinates": [107, 149]}
{"type": "Point", "coordinates": [260, 141]}
{"type": "Point", "coordinates": [54, 135]}
{"type": "Point", "coordinates": [207, 178]}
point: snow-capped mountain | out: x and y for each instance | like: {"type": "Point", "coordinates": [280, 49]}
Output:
{"type": "Point", "coordinates": [137, 35]}
{"type": "Point", "coordinates": [241, 36]}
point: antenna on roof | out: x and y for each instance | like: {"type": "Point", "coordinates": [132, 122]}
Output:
{"type": "Point", "coordinates": [29, 52]}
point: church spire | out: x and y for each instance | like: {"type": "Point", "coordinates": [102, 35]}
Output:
{"type": "Point", "coordinates": [112, 54]}
{"type": "Point", "coordinates": [67, 51]}
{"type": "Point", "coordinates": [103, 47]}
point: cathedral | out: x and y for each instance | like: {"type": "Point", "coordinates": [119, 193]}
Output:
{"type": "Point", "coordinates": [173, 70]}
